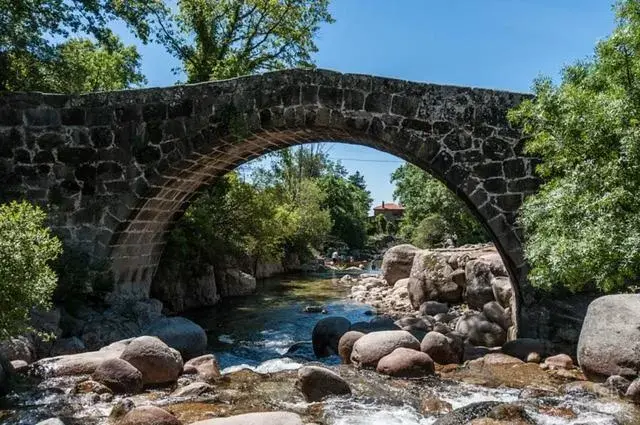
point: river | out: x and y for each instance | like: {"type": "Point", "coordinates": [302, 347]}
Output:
{"type": "Point", "coordinates": [247, 331]}
{"type": "Point", "coordinates": [256, 332]}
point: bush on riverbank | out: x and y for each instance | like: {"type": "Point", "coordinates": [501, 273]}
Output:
{"type": "Point", "coordinates": [583, 226]}
{"type": "Point", "coordinates": [27, 250]}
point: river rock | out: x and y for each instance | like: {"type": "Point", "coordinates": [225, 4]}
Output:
{"type": "Point", "coordinates": [377, 324]}
{"type": "Point", "coordinates": [436, 275]}
{"type": "Point", "coordinates": [414, 324]}
{"type": "Point", "coordinates": [431, 308]}
{"type": "Point", "coordinates": [443, 349]}
{"type": "Point", "coordinates": [372, 282]}
{"type": "Point", "coordinates": [193, 390]}
{"type": "Point", "coordinates": [497, 314]}
{"type": "Point", "coordinates": [316, 383]}
{"type": "Point", "coordinates": [345, 346]}
{"type": "Point", "coordinates": [236, 283]}
{"type": "Point", "coordinates": [430, 405]}
{"type": "Point", "coordinates": [205, 366]}
{"type": "Point", "coordinates": [370, 348]}
{"type": "Point", "coordinates": [633, 392]}
{"type": "Point", "coordinates": [609, 341]}
{"type": "Point", "coordinates": [119, 376]}
{"type": "Point", "coordinates": [158, 362]}
{"type": "Point", "coordinates": [401, 284]}
{"type": "Point", "coordinates": [51, 421]}
{"type": "Point", "coordinates": [419, 293]}
{"type": "Point", "coordinates": [503, 291]}
{"type": "Point", "coordinates": [76, 364]}
{"type": "Point", "coordinates": [479, 290]}
{"type": "Point", "coordinates": [479, 331]}
{"type": "Point", "coordinates": [91, 386]}
{"type": "Point", "coordinates": [259, 418]}
{"type": "Point", "coordinates": [523, 347]}
{"type": "Point", "coordinates": [180, 333]}
{"type": "Point", "coordinates": [397, 263]}
{"type": "Point", "coordinates": [19, 366]}
{"type": "Point", "coordinates": [64, 346]}
{"type": "Point", "coordinates": [326, 335]}
{"type": "Point", "coordinates": [149, 415]}
{"type": "Point", "coordinates": [18, 348]}
{"type": "Point", "coordinates": [559, 361]}
{"type": "Point", "coordinates": [406, 363]}
{"type": "Point", "coordinates": [618, 384]}
{"type": "Point", "coordinates": [464, 415]}
{"type": "Point", "coordinates": [179, 294]}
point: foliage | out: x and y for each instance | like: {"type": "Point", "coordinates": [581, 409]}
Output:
{"type": "Point", "coordinates": [227, 38]}
{"type": "Point", "coordinates": [81, 279]}
{"type": "Point", "coordinates": [31, 57]}
{"type": "Point", "coordinates": [348, 205]}
{"type": "Point", "coordinates": [77, 66]}
{"type": "Point", "coordinates": [27, 249]}
{"type": "Point", "coordinates": [432, 212]}
{"type": "Point", "coordinates": [583, 226]}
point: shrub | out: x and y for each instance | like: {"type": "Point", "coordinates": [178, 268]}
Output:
{"type": "Point", "coordinates": [27, 249]}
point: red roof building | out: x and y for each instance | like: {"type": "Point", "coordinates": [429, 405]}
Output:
{"type": "Point", "coordinates": [389, 210]}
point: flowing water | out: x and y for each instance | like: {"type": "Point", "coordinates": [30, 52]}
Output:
{"type": "Point", "coordinates": [253, 337]}
{"type": "Point", "coordinates": [247, 331]}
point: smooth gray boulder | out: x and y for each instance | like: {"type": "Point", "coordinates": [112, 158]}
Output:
{"type": "Point", "coordinates": [316, 383]}
{"type": "Point", "coordinates": [159, 363]}
{"type": "Point", "coordinates": [180, 333]}
{"type": "Point", "coordinates": [397, 263]}
{"type": "Point", "coordinates": [609, 341]}
{"type": "Point", "coordinates": [370, 348]}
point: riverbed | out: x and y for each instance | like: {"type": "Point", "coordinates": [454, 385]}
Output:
{"type": "Point", "coordinates": [252, 338]}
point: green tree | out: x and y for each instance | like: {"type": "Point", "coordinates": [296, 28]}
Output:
{"type": "Point", "coordinates": [31, 57]}
{"type": "Point", "coordinates": [432, 212]}
{"type": "Point", "coordinates": [583, 226]}
{"type": "Point", "coordinates": [27, 250]}
{"type": "Point", "coordinates": [218, 39]}
{"type": "Point", "coordinates": [349, 206]}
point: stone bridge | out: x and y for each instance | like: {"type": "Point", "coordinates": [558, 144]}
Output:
{"type": "Point", "coordinates": [117, 169]}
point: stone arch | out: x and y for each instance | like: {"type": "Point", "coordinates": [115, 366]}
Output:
{"type": "Point", "coordinates": [121, 166]}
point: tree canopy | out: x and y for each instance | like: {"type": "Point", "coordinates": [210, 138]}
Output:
{"type": "Point", "coordinates": [432, 212]}
{"type": "Point", "coordinates": [33, 57]}
{"type": "Point", "coordinates": [583, 226]}
{"type": "Point", "coordinates": [227, 38]}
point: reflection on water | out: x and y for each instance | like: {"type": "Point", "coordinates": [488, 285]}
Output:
{"type": "Point", "coordinates": [264, 326]}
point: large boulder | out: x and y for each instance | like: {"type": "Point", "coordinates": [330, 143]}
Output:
{"type": "Point", "coordinates": [18, 348]}
{"type": "Point", "coordinates": [397, 263]}
{"type": "Point", "coordinates": [503, 291]}
{"type": "Point", "coordinates": [497, 314]}
{"type": "Point", "coordinates": [479, 331]}
{"type": "Point", "coordinates": [437, 276]}
{"type": "Point", "coordinates": [64, 346]}
{"type": "Point", "coordinates": [119, 376]}
{"type": "Point", "coordinates": [316, 383]}
{"type": "Point", "coordinates": [258, 418]}
{"type": "Point", "coordinates": [158, 362]}
{"type": "Point", "coordinates": [326, 335]}
{"type": "Point", "coordinates": [51, 421]}
{"type": "Point", "coordinates": [633, 391]}
{"type": "Point", "coordinates": [77, 364]}
{"type": "Point", "coordinates": [206, 367]}
{"type": "Point", "coordinates": [479, 290]}
{"type": "Point", "coordinates": [345, 345]}
{"type": "Point", "coordinates": [609, 342]}
{"type": "Point", "coordinates": [370, 348]}
{"type": "Point", "coordinates": [149, 415]}
{"type": "Point", "coordinates": [406, 363]}
{"type": "Point", "coordinates": [443, 349]}
{"type": "Point", "coordinates": [179, 295]}
{"type": "Point", "coordinates": [235, 283]}
{"type": "Point", "coordinates": [180, 333]}
{"type": "Point", "coordinates": [523, 347]}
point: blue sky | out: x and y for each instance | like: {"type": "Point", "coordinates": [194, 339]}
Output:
{"type": "Point", "coordinates": [501, 44]}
